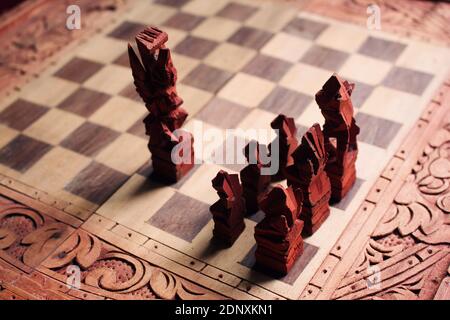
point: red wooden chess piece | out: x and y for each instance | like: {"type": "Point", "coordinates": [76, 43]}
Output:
{"type": "Point", "coordinates": [228, 211]}
{"type": "Point", "coordinates": [155, 79]}
{"type": "Point", "coordinates": [308, 174]}
{"type": "Point", "coordinates": [253, 182]}
{"type": "Point", "coordinates": [278, 235]}
{"type": "Point", "coordinates": [287, 141]}
{"type": "Point", "coordinates": [340, 132]}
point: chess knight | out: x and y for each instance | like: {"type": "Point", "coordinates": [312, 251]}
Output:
{"type": "Point", "coordinates": [340, 132]}
{"type": "Point", "coordinates": [155, 80]}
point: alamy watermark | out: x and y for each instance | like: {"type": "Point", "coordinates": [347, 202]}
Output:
{"type": "Point", "coordinates": [374, 18]}
{"type": "Point", "coordinates": [374, 278]}
{"type": "Point", "coordinates": [213, 145]}
{"type": "Point", "coordinates": [73, 21]}
{"type": "Point", "coordinates": [73, 280]}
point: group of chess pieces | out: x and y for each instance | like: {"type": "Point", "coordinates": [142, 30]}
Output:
{"type": "Point", "coordinates": [319, 170]}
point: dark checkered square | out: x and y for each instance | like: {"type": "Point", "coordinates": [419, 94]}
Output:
{"type": "Point", "coordinates": [285, 101]}
{"type": "Point", "coordinates": [182, 216]}
{"type": "Point", "coordinates": [84, 102]}
{"type": "Point", "coordinates": [127, 31]}
{"type": "Point", "coordinates": [78, 70]}
{"type": "Point", "coordinates": [96, 183]}
{"type": "Point", "coordinates": [305, 28]}
{"type": "Point", "coordinates": [325, 58]}
{"type": "Point", "coordinates": [131, 93]}
{"type": "Point", "coordinates": [376, 131]}
{"type": "Point", "coordinates": [22, 152]}
{"type": "Point", "coordinates": [407, 80]}
{"type": "Point", "coordinates": [266, 67]}
{"type": "Point", "coordinates": [89, 139]}
{"type": "Point", "coordinates": [138, 129]}
{"type": "Point", "coordinates": [20, 114]}
{"type": "Point", "coordinates": [237, 11]}
{"type": "Point", "coordinates": [172, 3]}
{"type": "Point", "coordinates": [360, 94]}
{"type": "Point", "coordinates": [207, 78]}
{"type": "Point", "coordinates": [184, 21]}
{"type": "Point", "coordinates": [223, 113]}
{"type": "Point", "coordinates": [123, 60]}
{"type": "Point", "coordinates": [195, 47]}
{"type": "Point", "coordinates": [250, 38]}
{"type": "Point", "coordinates": [381, 49]}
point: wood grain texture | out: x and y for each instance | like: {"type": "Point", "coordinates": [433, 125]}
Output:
{"type": "Point", "coordinates": [423, 20]}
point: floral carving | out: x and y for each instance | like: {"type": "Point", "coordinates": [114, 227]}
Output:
{"type": "Point", "coordinates": [116, 274]}
{"type": "Point", "coordinates": [410, 245]}
{"type": "Point", "coordinates": [34, 241]}
{"type": "Point", "coordinates": [422, 206]}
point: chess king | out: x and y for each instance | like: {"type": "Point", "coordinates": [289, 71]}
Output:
{"type": "Point", "coordinates": [340, 131]}
{"type": "Point", "coordinates": [155, 80]}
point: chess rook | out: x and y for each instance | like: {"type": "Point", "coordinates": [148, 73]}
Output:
{"type": "Point", "coordinates": [228, 211]}
{"type": "Point", "coordinates": [340, 131]}
{"type": "Point", "coordinates": [278, 235]}
{"type": "Point", "coordinates": [286, 131]}
{"type": "Point", "coordinates": [308, 174]}
{"type": "Point", "coordinates": [253, 182]}
{"type": "Point", "coordinates": [155, 80]}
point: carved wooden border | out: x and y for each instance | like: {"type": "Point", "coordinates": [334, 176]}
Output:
{"type": "Point", "coordinates": [40, 246]}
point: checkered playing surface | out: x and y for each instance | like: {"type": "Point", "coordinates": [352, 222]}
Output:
{"type": "Point", "coordinates": [77, 131]}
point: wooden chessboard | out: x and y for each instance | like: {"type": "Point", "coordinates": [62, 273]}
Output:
{"type": "Point", "coordinates": [74, 137]}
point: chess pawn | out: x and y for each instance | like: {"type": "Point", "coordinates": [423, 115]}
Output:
{"type": "Point", "coordinates": [340, 131]}
{"type": "Point", "coordinates": [228, 211]}
{"type": "Point", "coordinates": [253, 182]}
{"type": "Point", "coordinates": [287, 142]}
{"type": "Point", "coordinates": [278, 235]}
{"type": "Point", "coordinates": [308, 174]}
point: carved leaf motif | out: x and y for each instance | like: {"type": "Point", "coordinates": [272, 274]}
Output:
{"type": "Point", "coordinates": [443, 203]}
{"type": "Point", "coordinates": [412, 218]}
{"type": "Point", "coordinates": [43, 241]}
{"type": "Point", "coordinates": [80, 246]}
{"type": "Point", "coordinates": [376, 252]}
{"type": "Point", "coordinates": [7, 238]}
{"type": "Point", "coordinates": [188, 291]}
{"type": "Point", "coordinates": [106, 278]}
{"type": "Point", "coordinates": [164, 284]}
{"type": "Point", "coordinates": [17, 209]}
{"type": "Point", "coordinates": [64, 253]}
{"type": "Point", "coordinates": [89, 251]}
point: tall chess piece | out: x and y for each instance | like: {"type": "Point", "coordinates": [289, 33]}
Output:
{"type": "Point", "coordinates": [155, 79]}
{"type": "Point", "coordinates": [308, 174]}
{"type": "Point", "coordinates": [340, 132]}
